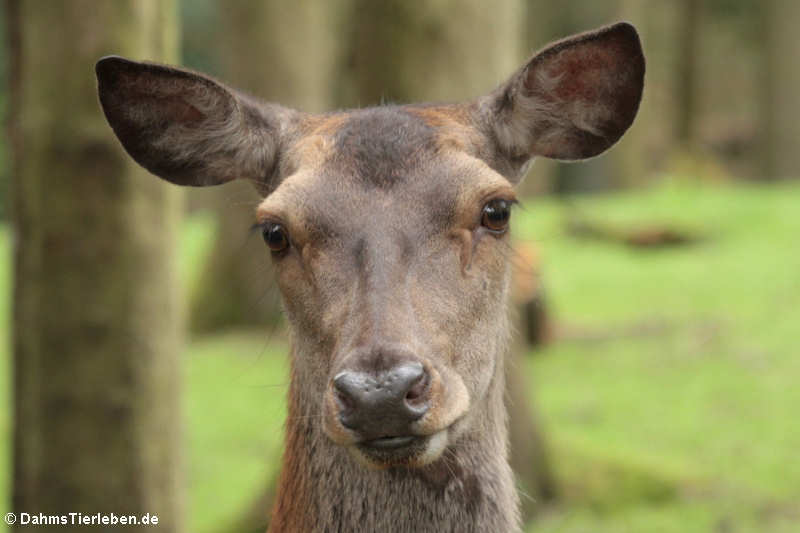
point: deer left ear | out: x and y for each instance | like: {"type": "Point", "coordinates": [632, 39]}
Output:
{"type": "Point", "coordinates": [189, 129]}
{"type": "Point", "coordinates": [572, 100]}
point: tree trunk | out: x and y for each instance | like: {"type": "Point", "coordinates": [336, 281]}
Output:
{"type": "Point", "coordinates": [779, 106]}
{"type": "Point", "coordinates": [442, 50]}
{"type": "Point", "coordinates": [281, 52]}
{"type": "Point", "coordinates": [95, 311]}
{"type": "Point", "coordinates": [686, 73]}
{"type": "Point", "coordinates": [628, 160]}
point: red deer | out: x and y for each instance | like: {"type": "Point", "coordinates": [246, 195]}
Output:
{"type": "Point", "coordinates": [388, 227]}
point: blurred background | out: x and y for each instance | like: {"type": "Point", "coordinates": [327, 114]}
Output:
{"type": "Point", "coordinates": [143, 361]}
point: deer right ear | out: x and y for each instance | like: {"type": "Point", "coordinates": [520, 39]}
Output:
{"type": "Point", "coordinates": [572, 100]}
{"type": "Point", "coordinates": [188, 128]}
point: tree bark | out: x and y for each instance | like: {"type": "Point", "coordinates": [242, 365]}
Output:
{"type": "Point", "coordinates": [779, 107]}
{"type": "Point", "coordinates": [441, 50]}
{"type": "Point", "coordinates": [282, 52]}
{"type": "Point", "coordinates": [95, 311]}
{"type": "Point", "coordinates": [686, 73]}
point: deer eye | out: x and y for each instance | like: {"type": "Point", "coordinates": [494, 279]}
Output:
{"type": "Point", "coordinates": [275, 236]}
{"type": "Point", "coordinates": [496, 214]}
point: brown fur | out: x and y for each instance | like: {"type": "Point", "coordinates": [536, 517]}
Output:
{"type": "Point", "coordinates": [389, 262]}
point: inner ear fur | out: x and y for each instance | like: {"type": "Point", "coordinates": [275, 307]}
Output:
{"type": "Point", "coordinates": [186, 127]}
{"type": "Point", "coordinates": [573, 100]}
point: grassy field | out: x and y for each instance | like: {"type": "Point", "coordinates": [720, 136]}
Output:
{"type": "Point", "coordinates": [669, 400]}
{"type": "Point", "coordinates": [674, 408]}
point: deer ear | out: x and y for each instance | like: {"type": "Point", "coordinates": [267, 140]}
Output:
{"type": "Point", "coordinates": [572, 100]}
{"type": "Point", "coordinates": [188, 128]}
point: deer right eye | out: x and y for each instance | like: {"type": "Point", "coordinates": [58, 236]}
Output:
{"type": "Point", "coordinates": [276, 237]}
{"type": "Point", "coordinates": [496, 214]}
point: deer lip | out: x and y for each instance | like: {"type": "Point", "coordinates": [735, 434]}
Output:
{"type": "Point", "coordinates": [389, 443]}
{"type": "Point", "coordinates": [411, 451]}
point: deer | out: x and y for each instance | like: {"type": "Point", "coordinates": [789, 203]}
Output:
{"type": "Point", "coordinates": [388, 228]}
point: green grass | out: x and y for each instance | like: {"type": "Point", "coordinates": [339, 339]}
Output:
{"type": "Point", "coordinates": [692, 427]}
{"type": "Point", "coordinates": [234, 405]}
{"type": "Point", "coordinates": [670, 403]}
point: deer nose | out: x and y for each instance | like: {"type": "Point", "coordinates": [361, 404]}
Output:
{"type": "Point", "coordinates": [382, 405]}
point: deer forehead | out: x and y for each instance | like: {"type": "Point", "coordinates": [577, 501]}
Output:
{"type": "Point", "coordinates": [414, 167]}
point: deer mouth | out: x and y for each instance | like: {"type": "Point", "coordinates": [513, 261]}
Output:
{"type": "Point", "coordinates": [405, 450]}
{"type": "Point", "coordinates": [391, 451]}
{"type": "Point", "coordinates": [390, 443]}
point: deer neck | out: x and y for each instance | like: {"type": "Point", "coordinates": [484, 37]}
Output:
{"type": "Point", "coordinates": [324, 489]}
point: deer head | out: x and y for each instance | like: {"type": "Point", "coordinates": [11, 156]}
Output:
{"type": "Point", "coordinates": [388, 226]}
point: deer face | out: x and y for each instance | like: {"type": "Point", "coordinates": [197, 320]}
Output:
{"type": "Point", "coordinates": [388, 226]}
{"type": "Point", "coordinates": [390, 242]}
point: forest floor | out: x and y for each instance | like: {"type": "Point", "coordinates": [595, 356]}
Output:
{"type": "Point", "coordinates": [669, 396]}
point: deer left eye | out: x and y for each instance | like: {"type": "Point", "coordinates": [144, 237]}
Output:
{"type": "Point", "coordinates": [276, 237]}
{"type": "Point", "coordinates": [496, 214]}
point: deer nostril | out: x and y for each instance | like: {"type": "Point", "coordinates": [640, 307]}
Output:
{"type": "Point", "coordinates": [417, 391]}
{"type": "Point", "coordinates": [344, 399]}
{"type": "Point", "coordinates": [347, 387]}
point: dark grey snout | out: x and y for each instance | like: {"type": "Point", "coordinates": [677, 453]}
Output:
{"type": "Point", "coordinates": [382, 405]}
